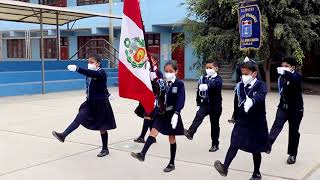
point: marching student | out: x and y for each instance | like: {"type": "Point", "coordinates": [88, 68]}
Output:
{"type": "Point", "coordinates": [238, 79]}
{"type": "Point", "coordinates": [155, 74]}
{"type": "Point", "coordinates": [167, 119]}
{"type": "Point", "coordinates": [290, 107]}
{"type": "Point", "coordinates": [209, 100]}
{"type": "Point", "coordinates": [250, 132]}
{"type": "Point", "coordinates": [96, 112]}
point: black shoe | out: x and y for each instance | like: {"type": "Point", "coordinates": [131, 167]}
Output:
{"type": "Point", "coordinates": [188, 134]}
{"type": "Point", "coordinates": [139, 140]}
{"type": "Point", "coordinates": [256, 176]}
{"type": "Point", "coordinates": [169, 168]}
{"type": "Point", "coordinates": [59, 136]}
{"type": "Point", "coordinates": [220, 168]}
{"type": "Point", "coordinates": [214, 148]}
{"type": "Point", "coordinates": [103, 153]}
{"type": "Point", "coordinates": [291, 160]}
{"type": "Point", "coordinates": [138, 156]}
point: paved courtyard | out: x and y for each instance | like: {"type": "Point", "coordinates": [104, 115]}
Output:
{"type": "Point", "coordinates": [29, 152]}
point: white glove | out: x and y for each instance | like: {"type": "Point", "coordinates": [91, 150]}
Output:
{"type": "Point", "coordinates": [153, 76]}
{"type": "Point", "coordinates": [111, 97]}
{"type": "Point", "coordinates": [281, 70]}
{"type": "Point", "coordinates": [248, 104]}
{"type": "Point", "coordinates": [155, 68]}
{"type": "Point", "coordinates": [174, 121]}
{"type": "Point", "coordinates": [72, 68]}
{"type": "Point", "coordinates": [203, 87]}
{"type": "Point", "coordinates": [246, 59]}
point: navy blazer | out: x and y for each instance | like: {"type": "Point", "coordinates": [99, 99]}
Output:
{"type": "Point", "coordinates": [257, 112]}
{"type": "Point", "coordinates": [250, 132]}
{"type": "Point", "coordinates": [213, 93]}
{"type": "Point", "coordinates": [96, 83]}
{"type": "Point", "coordinates": [175, 96]}
{"type": "Point", "coordinates": [290, 89]}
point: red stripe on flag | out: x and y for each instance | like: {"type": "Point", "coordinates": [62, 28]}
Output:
{"type": "Point", "coordinates": [132, 10]}
{"type": "Point", "coordinates": [133, 88]}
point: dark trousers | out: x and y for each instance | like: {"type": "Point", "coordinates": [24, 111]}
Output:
{"type": "Point", "coordinates": [214, 115]}
{"type": "Point", "coordinates": [294, 119]}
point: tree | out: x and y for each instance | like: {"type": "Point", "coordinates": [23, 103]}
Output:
{"type": "Point", "coordinates": [292, 26]}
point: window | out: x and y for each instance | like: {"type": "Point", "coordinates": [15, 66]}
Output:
{"type": "Point", "coordinates": [16, 48]}
{"type": "Point", "coordinates": [153, 39]}
{"type": "Point", "coordinates": [50, 47]}
{"type": "Point", "coordinates": [59, 3]}
{"type": "Point", "coordinates": [153, 44]}
{"type": "Point", "coordinates": [92, 45]}
{"type": "Point", "coordinates": [88, 2]}
{"type": "Point", "coordinates": [64, 41]}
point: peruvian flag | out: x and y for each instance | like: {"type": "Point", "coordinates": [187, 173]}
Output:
{"type": "Point", "coordinates": [134, 78]}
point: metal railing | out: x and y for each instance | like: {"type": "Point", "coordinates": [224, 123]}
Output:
{"type": "Point", "coordinates": [107, 51]}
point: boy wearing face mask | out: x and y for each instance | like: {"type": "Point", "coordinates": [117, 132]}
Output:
{"type": "Point", "coordinates": [250, 132]}
{"type": "Point", "coordinates": [167, 122]}
{"type": "Point", "coordinates": [290, 107]}
{"type": "Point", "coordinates": [96, 112]}
{"type": "Point", "coordinates": [209, 100]}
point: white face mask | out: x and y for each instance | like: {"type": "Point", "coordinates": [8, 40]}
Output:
{"type": "Point", "coordinates": [211, 72]}
{"type": "Point", "coordinates": [170, 76]}
{"type": "Point", "coordinates": [92, 67]}
{"type": "Point", "coordinates": [247, 79]}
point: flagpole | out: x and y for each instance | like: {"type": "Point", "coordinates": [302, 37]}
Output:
{"type": "Point", "coordinates": [145, 38]}
{"type": "Point", "coordinates": [111, 36]}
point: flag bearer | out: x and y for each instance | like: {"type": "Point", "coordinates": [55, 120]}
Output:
{"type": "Point", "coordinates": [155, 74]}
{"type": "Point", "coordinates": [290, 107]}
{"type": "Point", "coordinates": [250, 132]}
{"type": "Point", "coordinates": [168, 119]}
{"type": "Point", "coordinates": [209, 100]}
{"type": "Point", "coordinates": [96, 112]}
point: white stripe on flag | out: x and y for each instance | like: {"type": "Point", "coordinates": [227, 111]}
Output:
{"type": "Point", "coordinates": [131, 30]}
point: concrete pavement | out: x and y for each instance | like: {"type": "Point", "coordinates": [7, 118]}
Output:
{"type": "Point", "coordinates": [29, 152]}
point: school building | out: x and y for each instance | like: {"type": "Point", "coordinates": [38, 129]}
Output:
{"type": "Point", "coordinates": [20, 65]}
{"type": "Point", "coordinates": [20, 42]}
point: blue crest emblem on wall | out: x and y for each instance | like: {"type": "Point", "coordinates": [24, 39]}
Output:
{"type": "Point", "coordinates": [246, 28]}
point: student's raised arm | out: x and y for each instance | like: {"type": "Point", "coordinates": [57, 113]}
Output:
{"type": "Point", "coordinates": [293, 77]}
{"type": "Point", "coordinates": [91, 73]}
{"type": "Point", "coordinates": [260, 95]}
{"type": "Point", "coordinates": [215, 83]}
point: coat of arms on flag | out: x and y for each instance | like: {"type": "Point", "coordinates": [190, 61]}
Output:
{"type": "Point", "coordinates": [135, 51]}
